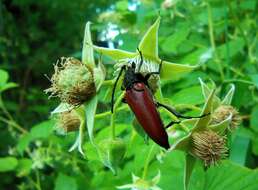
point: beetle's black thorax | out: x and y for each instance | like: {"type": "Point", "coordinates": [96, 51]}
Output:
{"type": "Point", "coordinates": [131, 77]}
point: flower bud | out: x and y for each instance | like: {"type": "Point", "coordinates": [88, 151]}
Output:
{"type": "Point", "coordinates": [72, 82]}
{"type": "Point", "coordinates": [67, 122]}
{"type": "Point", "coordinates": [223, 112]}
{"type": "Point", "coordinates": [209, 147]}
{"type": "Point", "coordinates": [112, 152]}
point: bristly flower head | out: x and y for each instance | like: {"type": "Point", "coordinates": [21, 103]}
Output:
{"type": "Point", "coordinates": [223, 112]}
{"type": "Point", "coordinates": [209, 147]}
{"type": "Point", "coordinates": [72, 82]}
{"type": "Point", "coordinates": [67, 121]}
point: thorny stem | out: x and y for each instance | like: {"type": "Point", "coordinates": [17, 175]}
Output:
{"type": "Point", "coordinates": [112, 118]}
{"type": "Point", "coordinates": [147, 161]}
{"type": "Point", "coordinates": [212, 41]}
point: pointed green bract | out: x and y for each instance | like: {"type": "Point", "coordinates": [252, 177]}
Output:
{"type": "Point", "coordinates": [87, 50]}
{"type": "Point", "coordinates": [149, 43]}
{"type": "Point", "coordinates": [79, 140]}
{"type": "Point", "coordinates": [115, 54]}
{"type": "Point", "coordinates": [90, 110]}
{"type": "Point", "coordinates": [174, 71]}
{"type": "Point", "coordinates": [222, 126]}
{"type": "Point", "coordinates": [228, 98]}
{"type": "Point", "coordinates": [207, 109]}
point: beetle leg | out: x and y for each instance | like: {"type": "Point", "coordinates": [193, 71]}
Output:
{"type": "Point", "coordinates": [124, 101]}
{"type": "Point", "coordinates": [114, 88]}
{"type": "Point", "coordinates": [173, 111]}
{"type": "Point", "coordinates": [172, 123]}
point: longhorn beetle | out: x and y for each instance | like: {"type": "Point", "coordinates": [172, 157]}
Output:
{"type": "Point", "coordinates": [141, 101]}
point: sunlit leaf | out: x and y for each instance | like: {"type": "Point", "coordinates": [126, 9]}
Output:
{"type": "Point", "coordinates": [8, 164]}
{"type": "Point", "coordinates": [87, 50]}
{"type": "Point", "coordinates": [149, 43]}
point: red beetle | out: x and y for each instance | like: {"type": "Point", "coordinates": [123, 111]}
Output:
{"type": "Point", "coordinates": [141, 101]}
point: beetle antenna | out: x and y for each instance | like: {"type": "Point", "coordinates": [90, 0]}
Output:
{"type": "Point", "coordinates": [114, 89]}
{"type": "Point", "coordinates": [141, 62]}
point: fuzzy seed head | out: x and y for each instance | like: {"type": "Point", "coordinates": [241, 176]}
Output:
{"type": "Point", "coordinates": [72, 82]}
{"type": "Point", "coordinates": [67, 122]}
{"type": "Point", "coordinates": [223, 112]}
{"type": "Point", "coordinates": [209, 147]}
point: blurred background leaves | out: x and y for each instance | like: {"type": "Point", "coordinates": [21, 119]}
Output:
{"type": "Point", "coordinates": [220, 35]}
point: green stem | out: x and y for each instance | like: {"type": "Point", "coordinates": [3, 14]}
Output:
{"type": "Point", "coordinates": [15, 125]}
{"type": "Point", "coordinates": [212, 41]}
{"type": "Point", "coordinates": [107, 83]}
{"type": "Point", "coordinates": [107, 113]}
{"type": "Point", "coordinates": [10, 120]}
{"type": "Point", "coordinates": [38, 180]}
{"type": "Point", "coordinates": [147, 161]}
{"type": "Point", "coordinates": [112, 118]}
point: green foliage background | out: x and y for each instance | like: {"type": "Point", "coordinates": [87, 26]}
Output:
{"type": "Point", "coordinates": [222, 35]}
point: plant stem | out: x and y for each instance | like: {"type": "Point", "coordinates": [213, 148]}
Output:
{"type": "Point", "coordinates": [38, 180]}
{"type": "Point", "coordinates": [10, 121]}
{"type": "Point", "coordinates": [212, 41]}
{"type": "Point", "coordinates": [112, 118]}
{"type": "Point", "coordinates": [14, 124]}
{"type": "Point", "coordinates": [107, 83]}
{"type": "Point", "coordinates": [147, 161]}
{"type": "Point", "coordinates": [107, 113]}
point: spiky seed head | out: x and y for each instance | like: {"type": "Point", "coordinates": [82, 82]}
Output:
{"type": "Point", "coordinates": [223, 112]}
{"type": "Point", "coordinates": [72, 82]}
{"type": "Point", "coordinates": [67, 121]}
{"type": "Point", "coordinates": [209, 147]}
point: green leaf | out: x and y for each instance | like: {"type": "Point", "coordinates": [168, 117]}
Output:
{"type": "Point", "coordinates": [235, 46]}
{"type": "Point", "coordinates": [189, 166]}
{"type": "Point", "coordinates": [191, 95]}
{"type": "Point", "coordinates": [7, 86]}
{"type": "Point", "coordinates": [90, 110]}
{"type": "Point", "coordinates": [24, 167]}
{"type": "Point", "coordinates": [254, 119]}
{"type": "Point", "coordinates": [111, 152]}
{"type": "Point", "coordinates": [65, 182]}
{"type": "Point", "coordinates": [3, 77]}
{"type": "Point", "coordinates": [172, 42]}
{"type": "Point", "coordinates": [255, 79]}
{"type": "Point", "coordinates": [42, 130]}
{"type": "Point", "coordinates": [149, 43]}
{"type": "Point", "coordinates": [231, 177]}
{"type": "Point", "coordinates": [239, 150]}
{"type": "Point", "coordinates": [23, 143]}
{"type": "Point", "coordinates": [8, 164]}
{"type": "Point", "coordinates": [87, 50]}
{"type": "Point", "coordinates": [174, 71]}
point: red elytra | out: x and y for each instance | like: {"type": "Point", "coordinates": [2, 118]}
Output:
{"type": "Point", "coordinates": [141, 102]}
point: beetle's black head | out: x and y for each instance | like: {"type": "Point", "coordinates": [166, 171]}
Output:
{"type": "Point", "coordinates": [132, 77]}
